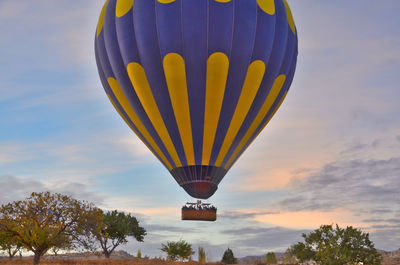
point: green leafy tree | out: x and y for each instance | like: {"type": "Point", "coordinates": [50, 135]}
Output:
{"type": "Point", "coordinates": [337, 246]}
{"type": "Point", "coordinates": [202, 255]}
{"type": "Point", "coordinates": [113, 230]}
{"type": "Point", "coordinates": [301, 252]}
{"type": "Point", "coordinates": [139, 254]}
{"type": "Point", "coordinates": [228, 257]}
{"type": "Point", "coordinates": [9, 244]}
{"type": "Point", "coordinates": [39, 222]}
{"type": "Point", "coordinates": [271, 258]}
{"type": "Point", "coordinates": [178, 250]}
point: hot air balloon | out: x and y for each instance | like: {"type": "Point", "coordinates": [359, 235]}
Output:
{"type": "Point", "coordinates": [196, 80]}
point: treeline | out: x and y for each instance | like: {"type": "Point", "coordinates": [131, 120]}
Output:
{"type": "Point", "coordinates": [53, 222]}
{"type": "Point", "coordinates": [329, 245]}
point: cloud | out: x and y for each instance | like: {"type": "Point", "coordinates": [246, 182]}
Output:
{"type": "Point", "coordinates": [382, 220]}
{"type": "Point", "coordinates": [311, 219]}
{"type": "Point", "coordinates": [14, 188]}
{"type": "Point", "coordinates": [81, 158]}
{"type": "Point", "coordinates": [260, 240]}
{"type": "Point", "coordinates": [348, 183]}
{"type": "Point", "coordinates": [358, 187]}
{"type": "Point", "coordinates": [71, 26]}
{"type": "Point", "coordinates": [381, 211]}
{"type": "Point", "coordinates": [131, 144]}
{"type": "Point", "coordinates": [11, 9]}
{"type": "Point", "coordinates": [295, 219]}
{"type": "Point", "coordinates": [52, 64]}
{"type": "Point", "coordinates": [169, 229]}
{"type": "Point", "coordinates": [243, 214]}
{"type": "Point", "coordinates": [345, 88]}
{"type": "Point", "coordinates": [11, 153]}
{"type": "Point", "coordinates": [166, 213]}
{"type": "Point", "coordinates": [386, 239]}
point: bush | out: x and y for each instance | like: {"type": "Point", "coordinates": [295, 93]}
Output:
{"type": "Point", "coordinates": [202, 255]}
{"type": "Point", "coordinates": [178, 250]}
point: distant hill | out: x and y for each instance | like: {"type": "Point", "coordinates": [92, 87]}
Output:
{"type": "Point", "coordinates": [253, 259]}
{"type": "Point", "coordinates": [391, 258]}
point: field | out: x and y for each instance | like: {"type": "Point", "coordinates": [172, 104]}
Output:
{"type": "Point", "coordinates": [24, 261]}
{"type": "Point", "coordinates": [28, 261]}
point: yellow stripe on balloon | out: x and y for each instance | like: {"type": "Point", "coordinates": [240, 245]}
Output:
{"type": "Point", "coordinates": [166, 1]}
{"type": "Point", "coordinates": [123, 7]}
{"type": "Point", "coordinates": [101, 19]}
{"type": "Point", "coordinates": [269, 119]}
{"type": "Point", "coordinates": [273, 94]}
{"type": "Point", "coordinates": [163, 160]}
{"type": "Point", "coordinates": [217, 73]}
{"type": "Point", "coordinates": [223, 1]}
{"type": "Point", "coordinates": [252, 83]}
{"type": "Point", "coordinates": [290, 17]}
{"type": "Point", "coordinates": [142, 88]}
{"type": "Point", "coordinates": [175, 75]}
{"type": "Point", "coordinates": [268, 6]}
{"type": "Point", "coordinates": [119, 94]}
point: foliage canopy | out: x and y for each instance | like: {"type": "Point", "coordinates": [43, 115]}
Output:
{"type": "Point", "coordinates": [178, 250]}
{"type": "Point", "coordinates": [114, 228]}
{"type": "Point", "coordinates": [337, 246]}
{"type": "Point", "coordinates": [271, 258]}
{"type": "Point", "coordinates": [9, 244]}
{"type": "Point", "coordinates": [44, 221]}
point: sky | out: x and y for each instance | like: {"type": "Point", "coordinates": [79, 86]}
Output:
{"type": "Point", "coordinates": [330, 155]}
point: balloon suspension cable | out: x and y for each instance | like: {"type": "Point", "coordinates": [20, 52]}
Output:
{"type": "Point", "coordinates": [199, 205]}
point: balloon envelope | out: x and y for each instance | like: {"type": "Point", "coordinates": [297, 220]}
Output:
{"type": "Point", "coordinates": [196, 80]}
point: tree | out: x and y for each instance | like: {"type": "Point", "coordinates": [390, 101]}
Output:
{"type": "Point", "coordinates": [202, 255]}
{"type": "Point", "coordinates": [290, 257]}
{"type": "Point", "coordinates": [301, 252]}
{"type": "Point", "coordinates": [113, 230]}
{"type": "Point", "coordinates": [271, 258]}
{"type": "Point", "coordinates": [178, 250]}
{"type": "Point", "coordinates": [41, 220]}
{"type": "Point", "coordinates": [10, 244]}
{"type": "Point", "coordinates": [337, 246]}
{"type": "Point", "coordinates": [228, 257]}
{"type": "Point", "coordinates": [61, 243]}
{"type": "Point", "coordinates": [139, 254]}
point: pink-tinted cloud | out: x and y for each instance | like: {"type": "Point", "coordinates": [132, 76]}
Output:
{"type": "Point", "coordinates": [311, 219]}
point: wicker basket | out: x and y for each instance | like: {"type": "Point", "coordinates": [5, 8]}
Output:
{"type": "Point", "coordinates": [199, 215]}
